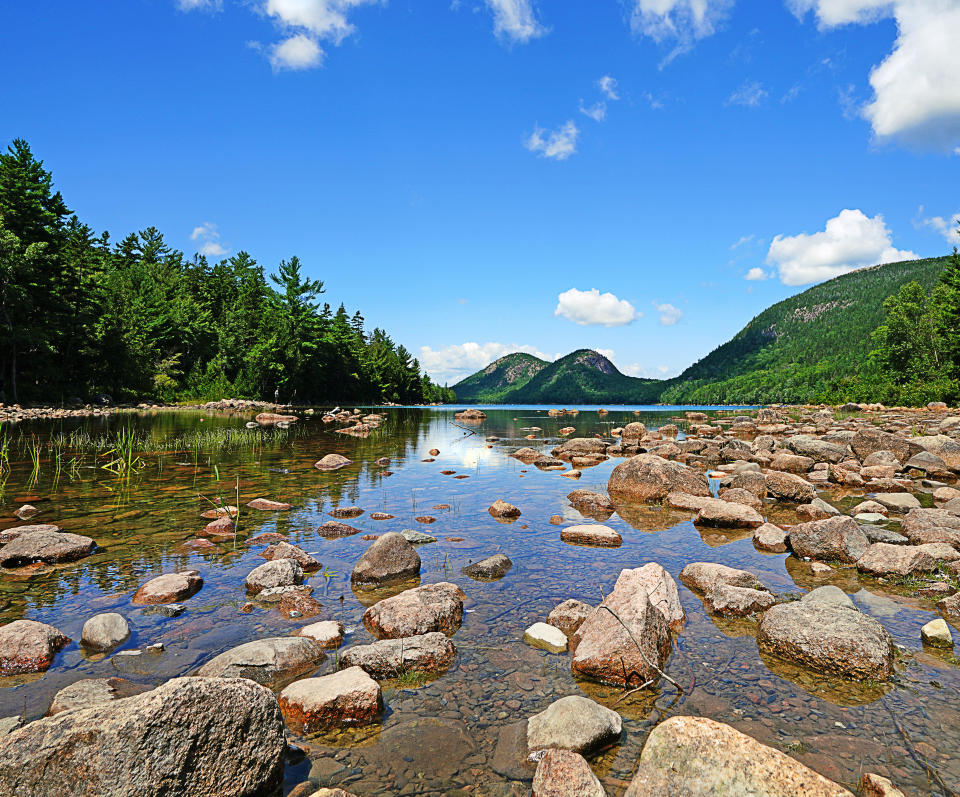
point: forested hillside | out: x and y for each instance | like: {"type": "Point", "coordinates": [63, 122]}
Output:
{"type": "Point", "coordinates": [81, 314]}
{"type": "Point", "coordinates": [499, 378]}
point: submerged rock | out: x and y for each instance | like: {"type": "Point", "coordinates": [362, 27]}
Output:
{"type": "Point", "coordinates": [201, 737]}
{"type": "Point", "coordinates": [346, 698]}
{"type": "Point", "coordinates": [45, 546]}
{"type": "Point", "coordinates": [28, 646]}
{"type": "Point", "coordinates": [92, 692]}
{"type": "Point", "coordinates": [573, 723]}
{"type": "Point", "coordinates": [699, 757]}
{"type": "Point", "coordinates": [333, 529]}
{"type": "Point", "coordinates": [266, 505]}
{"type": "Point", "coordinates": [332, 462]}
{"type": "Point", "coordinates": [391, 658]}
{"type": "Point", "coordinates": [390, 559]}
{"type": "Point", "coordinates": [434, 607]}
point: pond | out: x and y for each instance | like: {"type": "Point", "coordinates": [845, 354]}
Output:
{"type": "Point", "coordinates": [444, 736]}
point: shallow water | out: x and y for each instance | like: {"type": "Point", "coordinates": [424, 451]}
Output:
{"type": "Point", "coordinates": [440, 738]}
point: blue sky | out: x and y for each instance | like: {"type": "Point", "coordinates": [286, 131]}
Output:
{"type": "Point", "coordinates": [637, 176]}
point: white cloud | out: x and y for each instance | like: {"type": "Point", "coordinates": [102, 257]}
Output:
{"type": "Point", "coordinates": [946, 227]}
{"type": "Point", "coordinates": [558, 144]}
{"type": "Point", "coordinates": [208, 237]}
{"type": "Point", "coordinates": [669, 315]}
{"type": "Point", "coordinates": [608, 86]}
{"type": "Point", "coordinates": [678, 21]}
{"type": "Point", "coordinates": [450, 364]}
{"type": "Point", "coordinates": [326, 19]}
{"type": "Point", "coordinates": [851, 240]}
{"type": "Point", "coordinates": [597, 111]}
{"type": "Point", "coordinates": [296, 53]}
{"type": "Point", "coordinates": [916, 90]}
{"type": "Point", "coordinates": [744, 239]}
{"type": "Point", "coordinates": [755, 274]}
{"type": "Point", "coordinates": [515, 20]}
{"type": "Point", "coordinates": [592, 308]}
{"type": "Point", "coordinates": [194, 5]}
{"type": "Point", "coordinates": [750, 94]}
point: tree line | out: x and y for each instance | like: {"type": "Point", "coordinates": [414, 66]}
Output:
{"type": "Point", "coordinates": [81, 315]}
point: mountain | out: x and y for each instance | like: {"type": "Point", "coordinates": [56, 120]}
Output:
{"type": "Point", "coordinates": [581, 377]}
{"type": "Point", "coordinates": [508, 373]}
{"type": "Point", "coordinates": [813, 347]}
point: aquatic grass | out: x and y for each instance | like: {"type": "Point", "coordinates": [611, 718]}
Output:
{"type": "Point", "coordinates": [4, 450]}
{"type": "Point", "coordinates": [125, 459]}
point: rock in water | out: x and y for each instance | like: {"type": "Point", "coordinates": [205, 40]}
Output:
{"type": "Point", "coordinates": [836, 538]}
{"type": "Point", "coordinates": [647, 477]}
{"type": "Point", "coordinates": [698, 757]}
{"type": "Point", "coordinates": [489, 569]}
{"type": "Point", "coordinates": [501, 509]}
{"type": "Point", "coordinates": [390, 658]}
{"type": "Point", "coordinates": [169, 588]}
{"type": "Point", "coordinates": [573, 723]}
{"type": "Point", "coordinates": [591, 535]}
{"type": "Point", "coordinates": [271, 662]}
{"type": "Point", "coordinates": [546, 637]}
{"type": "Point", "coordinates": [563, 773]}
{"type": "Point", "coordinates": [92, 692]}
{"type": "Point", "coordinates": [28, 646]}
{"type": "Point", "coordinates": [828, 638]}
{"type": "Point", "coordinates": [346, 698]}
{"type": "Point", "coordinates": [276, 573]}
{"type": "Point", "coordinates": [332, 462]}
{"type": "Point", "coordinates": [391, 558]}
{"type": "Point", "coordinates": [104, 631]}
{"type": "Point", "coordinates": [190, 737]}
{"type": "Point", "coordinates": [45, 546]}
{"type": "Point", "coordinates": [284, 550]}
{"type": "Point", "coordinates": [434, 607]}
{"type": "Point", "coordinates": [569, 615]}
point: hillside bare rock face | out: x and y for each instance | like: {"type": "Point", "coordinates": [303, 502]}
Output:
{"type": "Point", "coordinates": [433, 607]}
{"type": "Point", "coordinates": [789, 487]}
{"type": "Point", "coordinates": [869, 440]}
{"type": "Point", "coordinates": [28, 646]}
{"type": "Point", "coordinates": [104, 631]}
{"type": "Point", "coordinates": [699, 757]}
{"type": "Point", "coordinates": [169, 588]}
{"type": "Point", "coordinates": [569, 615]}
{"type": "Point", "coordinates": [390, 658]}
{"type": "Point", "coordinates": [605, 651]}
{"type": "Point", "coordinates": [647, 477]}
{"type": "Point", "coordinates": [727, 591]}
{"type": "Point", "coordinates": [563, 773]}
{"type": "Point", "coordinates": [833, 539]}
{"type": "Point", "coordinates": [573, 723]}
{"type": "Point", "coordinates": [276, 573]}
{"type": "Point", "coordinates": [390, 559]}
{"type": "Point", "coordinates": [346, 698]}
{"type": "Point", "coordinates": [489, 569]}
{"type": "Point", "coordinates": [45, 546]}
{"type": "Point", "coordinates": [271, 662]}
{"type": "Point", "coordinates": [718, 513]}
{"type": "Point", "coordinates": [190, 737]}
{"type": "Point", "coordinates": [828, 638]}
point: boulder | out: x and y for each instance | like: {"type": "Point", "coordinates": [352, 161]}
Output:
{"type": "Point", "coordinates": [834, 539]}
{"type": "Point", "coordinates": [606, 642]}
{"type": "Point", "coordinates": [827, 638]}
{"type": "Point", "coordinates": [791, 463]}
{"type": "Point", "coordinates": [327, 633]}
{"type": "Point", "coordinates": [869, 440]}
{"type": "Point", "coordinates": [931, 525]}
{"type": "Point", "coordinates": [332, 462]}
{"type": "Point", "coordinates": [501, 509]}
{"type": "Point", "coordinates": [28, 646]}
{"type": "Point", "coordinates": [942, 446]}
{"type": "Point", "coordinates": [390, 559]}
{"type": "Point", "coordinates": [660, 588]}
{"type": "Point", "coordinates": [346, 698]}
{"type": "Point", "coordinates": [703, 577]}
{"type": "Point", "coordinates": [573, 723]}
{"type": "Point", "coordinates": [284, 550]}
{"type": "Point", "coordinates": [717, 513]}
{"type": "Point", "coordinates": [806, 445]}
{"type": "Point", "coordinates": [169, 588]}
{"type": "Point", "coordinates": [751, 481]}
{"type": "Point", "coordinates": [272, 419]}
{"type": "Point", "coordinates": [563, 773]}
{"type": "Point", "coordinates": [900, 503]}
{"type": "Point", "coordinates": [591, 503]}
{"type": "Point", "coordinates": [591, 534]}
{"type": "Point", "coordinates": [266, 505]}
{"type": "Point", "coordinates": [727, 591]}
{"type": "Point", "coordinates": [738, 495]}
{"type": "Point", "coordinates": [789, 487]}
{"type": "Point", "coordinates": [770, 538]}
{"type": "Point", "coordinates": [883, 559]}
{"type": "Point", "coordinates": [569, 615]}
{"type": "Point", "coordinates": [546, 637]}
{"type": "Point", "coordinates": [699, 757]}
{"type": "Point", "coordinates": [271, 662]}
{"type": "Point", "coordinates": [45, 546]}
{"type": "Point", "coordinates": [489, 569]}
{"type": "Point", "coordinates": [391, 658]}
{"type": "Point", "coordinates": [937, 633]}
{"type": "Point", "coordinates": [201, 737]}
{"type": "Point", "coordinates": [334, 529]}
{"type": "Point", "coordinates": [104, 631]}
{"type": "Point", "coordinates": [92, 692]}
{"type": "Point", "coordinates": [830, 594]}
{"type": "Point", "coordinates": [647, 477]}
{"type": "Point", "coordinates": [434, 607]}
{"type": "Point", "coordinates": [7, 535]}
{"type": "Point", "coordinates": [276, 573]}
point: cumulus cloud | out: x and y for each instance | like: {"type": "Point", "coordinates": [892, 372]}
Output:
{"type": "Point", "coordinates": [669, 315]}
{"type": "Point", "coordinates": [916, 91]}
{"type": "Point", "coordinates": [194, 5]}
{"type": "Point", "coordinates": [450, 364]}
{"type": "Point", "coordinates": [750, 94]}
{"type": "Point", "coordinates": [515, 20]}
{"type": "Point", "coordinates": [608, 87]}
{"type": "Point", "coordinates": [557, 144]}
{"type": "Point", "coordinates": [207, 236]}
{"type": "Point", "coordinates": [597, 111]}
{"type": "Point", "coordinates": [851, 240]}
{"type": "Point", "coordinates": [755, 274]}
{"type": "Point", "coordinates": [592, 308]}
{"type": "Point", "coordinates": [947, 227]}
{"type": "Point", "coordinates": [680, 22]}
{"type": "Point", "coordinates": [296, 53]}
